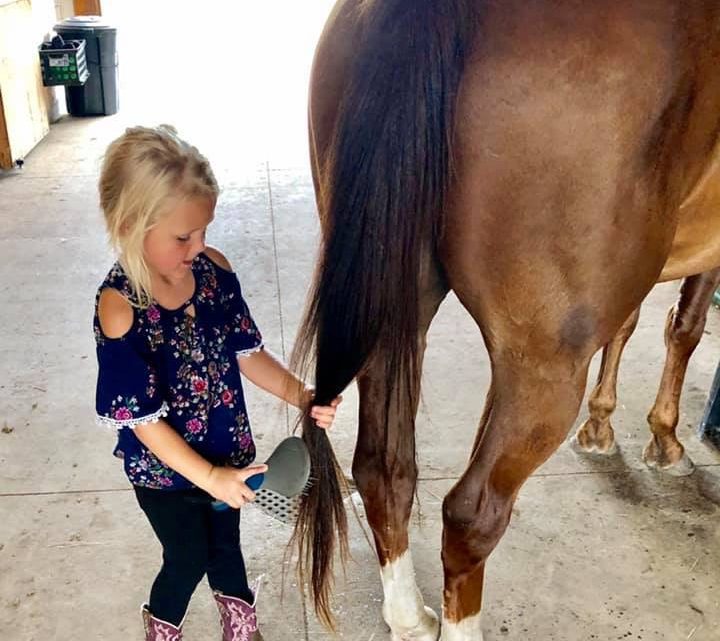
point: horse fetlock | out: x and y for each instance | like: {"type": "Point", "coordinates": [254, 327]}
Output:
{"type": "Point", "coordinates": [467, 629]}
{"type": "Point", "coordinates": [403, 608]}
{"type": "Point", "coordinates": [663, 420]}
{"type": "Point", "coordinates": [601, 407]}
{"type": "Point", "coordinates": [427, 627]}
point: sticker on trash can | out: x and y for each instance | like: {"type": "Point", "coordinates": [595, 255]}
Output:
{"type": "Point", "coordinates": [59, 61]}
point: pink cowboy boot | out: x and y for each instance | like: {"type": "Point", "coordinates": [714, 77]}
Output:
{"type": "Point", "coordinates": [238, 618]}
{"type": "Point", "coordinates": [157, 630]}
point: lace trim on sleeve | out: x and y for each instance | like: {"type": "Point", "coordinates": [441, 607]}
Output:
{"type": "Point", "coordinates": [247, 352]}
{"type": "Point", "coordinates": [132, 423]}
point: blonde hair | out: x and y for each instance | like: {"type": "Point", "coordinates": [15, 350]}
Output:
{"type": "Point", "coordinates": [141, 171]}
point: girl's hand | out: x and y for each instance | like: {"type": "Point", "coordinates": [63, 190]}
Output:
{"type": "Point", "coordinates": [227, 484]}
{"type": "Point", "coordinates": [324, 415]}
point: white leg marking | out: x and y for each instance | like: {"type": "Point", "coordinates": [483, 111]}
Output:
{"type": "Point", "coordinates": [403, 609]}
{"type": "Point", "coordinates": [466, 630]}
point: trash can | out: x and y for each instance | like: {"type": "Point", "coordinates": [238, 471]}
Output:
{"type": "Point", "coordinates": [99, 95]}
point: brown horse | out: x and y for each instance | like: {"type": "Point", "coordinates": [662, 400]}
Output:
{"type": "Point", "coordinates": [547, 160]}
{"type": "Point", "coordinates": [683, 331]}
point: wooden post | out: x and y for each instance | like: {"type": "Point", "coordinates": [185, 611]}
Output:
{"type": "Point", "coordinates": [87, 7]}
{"type": "Point", "coordinates": [6, 159]}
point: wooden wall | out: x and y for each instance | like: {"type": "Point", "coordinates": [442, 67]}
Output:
{"type": "Point", "coordinates": [87, 7]}
{"type": "Point", "coordinates": [24, 113]}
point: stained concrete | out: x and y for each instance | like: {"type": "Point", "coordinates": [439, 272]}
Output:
{"type": "Point", "coordinates": [597, 549]}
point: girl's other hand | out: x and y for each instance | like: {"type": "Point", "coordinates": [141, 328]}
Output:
{"type": "Point", "coordinates": [324, 415]}
{"type": "Point", "coordinates": [227, 484]}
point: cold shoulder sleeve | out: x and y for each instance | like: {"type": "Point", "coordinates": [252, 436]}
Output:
{"type": "Point", "coordinates": [245, 335]}
{"type": "Point", "coordinates": [127, 393]}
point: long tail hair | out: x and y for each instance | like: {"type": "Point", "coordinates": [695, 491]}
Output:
{"type": "Point", "coordinates": [384, 186]}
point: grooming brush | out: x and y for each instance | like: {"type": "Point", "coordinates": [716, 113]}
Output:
{"type": "Point", "coordinates": [279, 489]}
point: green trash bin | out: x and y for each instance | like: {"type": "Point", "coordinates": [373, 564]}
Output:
{"type": "Point", "coordinates": [99, 95]}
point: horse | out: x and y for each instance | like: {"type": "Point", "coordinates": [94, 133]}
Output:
{"type": "Point", "coordinates": [684, 328]}
{"type": "Point", "coordinates": [547, 160]}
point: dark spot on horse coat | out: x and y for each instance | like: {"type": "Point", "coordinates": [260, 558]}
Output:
{"type": "Point", "coordinates": [578, 328]}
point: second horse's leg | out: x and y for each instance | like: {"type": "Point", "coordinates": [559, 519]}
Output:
{"type": "Point", "coordinates": [596, 435]}
{"type": "Point", "coordinates": [683, 331]}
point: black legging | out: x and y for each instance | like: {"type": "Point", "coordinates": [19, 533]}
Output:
{"type": "Point", "coordinates": [196, 540]}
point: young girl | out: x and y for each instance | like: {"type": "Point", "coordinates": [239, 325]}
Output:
{"type": "Point", "coordinates": [173, 335]}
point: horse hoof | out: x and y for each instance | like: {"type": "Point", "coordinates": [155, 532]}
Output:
{"type": "Point", "coordinates": [576, 447]}
{"type": "Point", "coordinates": [684, 467]}
{"type": "Point", "coordinates": [427, 630]}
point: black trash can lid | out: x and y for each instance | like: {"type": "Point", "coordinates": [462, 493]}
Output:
{"type": "Point", "coordinates": [81, 23]}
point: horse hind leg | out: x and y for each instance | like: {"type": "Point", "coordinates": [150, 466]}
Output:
{"type": "Point", "coordinates": [596, 435]}
{"type": "Point", "coordinates": [683, 331]}
{"type": "Point", "coordinates": [385, 472]}
{"type": "Point", "coordinates": [515, 438]}
{"type": "Point", "coordinates": [540, 339]}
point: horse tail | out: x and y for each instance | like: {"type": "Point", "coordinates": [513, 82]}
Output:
{"type": "Point", "coordinates": [381, 195]}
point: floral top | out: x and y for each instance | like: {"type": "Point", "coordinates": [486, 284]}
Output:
{"type": "Point", "coordinates": [181, 365]}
